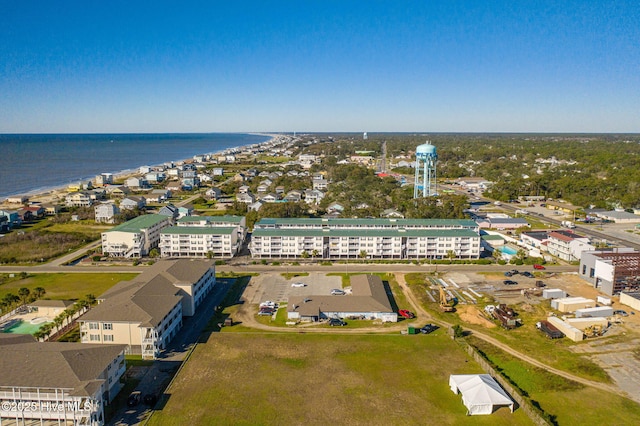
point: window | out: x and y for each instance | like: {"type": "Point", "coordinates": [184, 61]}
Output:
{"type": "Point", "coordinates": [108, 337]}
{"type": "Point", "coordinates": [94, 337]}
{"type": "Point", "coordinates": [94, 326]}
{"type": "Point", "coordinates": [107, 326]}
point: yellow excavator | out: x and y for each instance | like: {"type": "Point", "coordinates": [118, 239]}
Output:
{"type": "Point", "coordinates": [445, 304]}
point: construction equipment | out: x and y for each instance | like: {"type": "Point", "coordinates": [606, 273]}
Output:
{"type": "Point", "coordinates": [446, 305]}
{"type": "Point", "coordinates": [506, 316]}
{"type": "Point", "coordinates": [594, 331]}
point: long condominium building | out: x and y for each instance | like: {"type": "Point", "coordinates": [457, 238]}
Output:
{"type": "Point", "coordinates": [146, 313]}
{"type": "Point", "coordinates": [204, 236]}
{"type": "Point", "coordinates": [366, 238]}
{"type": "Point", "coordinates": [57, 383]}
{"type": "Point", "coordinates": [136, 237]}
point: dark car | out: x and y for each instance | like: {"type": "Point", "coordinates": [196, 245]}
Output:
{"type": "Point", "coordinates": [336, 322]}
{"type": "Point", "coordinates": [150, 399]}
{"type": "Point", "coordinates": [134, 399]}
{"type": "Point", "coordinates": [527, 274]}
{"type": "Point", "coordinates": [508, 274]}
{"type": "Point", "coordinates": [509, 282]}
{"type": "Point", "coordinates": [429, 328]}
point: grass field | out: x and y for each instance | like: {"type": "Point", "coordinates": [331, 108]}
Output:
{"type": "Point", "coordinates": [567, 402]}
{"type": "Point", "coordinates": [266, 379]}
{"type": "Point", "coordinates": [66, 286]}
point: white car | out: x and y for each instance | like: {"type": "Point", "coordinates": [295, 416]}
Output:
{"type": "Point", "coordinates": [298, 285]}
{"type": "Point", "coordinates": [337, 292]}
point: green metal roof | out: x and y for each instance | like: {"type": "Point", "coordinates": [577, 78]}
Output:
{"type": "Point", "coordinates": [294, 232]}
{"type": "Point", "coordinates": [198, 230]}
{"type": "Point", "coordinates": [269, 221]}
{"type": "Point", "coordinates": [138, 223]}
{"type": "Point", "coordinates": [492, 237]}
{"type": "Point", "coordinates": [214, 219]}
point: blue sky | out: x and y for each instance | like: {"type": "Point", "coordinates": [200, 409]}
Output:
{"type": "Point", "coordinates": [427, 65]}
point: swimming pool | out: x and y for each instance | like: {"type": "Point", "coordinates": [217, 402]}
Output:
{"type": "Point", "coordinates": [508, 250]}
{"type": "Point", "coordinates": [23, 327]}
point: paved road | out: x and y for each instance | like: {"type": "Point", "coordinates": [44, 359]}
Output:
{"type": "Point", "coordinates": [163, 369]}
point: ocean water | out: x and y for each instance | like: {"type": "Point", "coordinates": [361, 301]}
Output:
{"type": "Point", "coordinates": [33, 163]}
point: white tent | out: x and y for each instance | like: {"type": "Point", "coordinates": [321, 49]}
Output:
{"type": "Point", "coordinates": [481, 394]}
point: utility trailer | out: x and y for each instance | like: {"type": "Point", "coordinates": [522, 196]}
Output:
{"type": "Point", "coordinates": [549, 329]}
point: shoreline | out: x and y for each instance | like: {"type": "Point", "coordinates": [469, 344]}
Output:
{"type": "Point", "coordinates": [52, 193]}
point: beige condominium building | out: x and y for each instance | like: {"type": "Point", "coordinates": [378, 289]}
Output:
{"type": "Point", "coordinates": [203, 236]}
{"type": "Point", "coordinates": [57, 383]}
{"type": "Point", "coordinates": [136, 237]}
{"type": "Point", "coordinates": [146, 313]}
{"type": "Point", "coordinates": [366, 238]}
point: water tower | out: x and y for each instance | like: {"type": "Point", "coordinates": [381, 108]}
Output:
{"type": "Point", "coordinates": [425, 180]}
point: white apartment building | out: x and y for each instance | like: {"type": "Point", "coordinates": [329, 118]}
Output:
{"type": "Point", "coordinates": [146, 313]}
{"type": "Point", "coordinates": [204, 236]}
{"type": "Point", "coordinates": [567, 245]}
{"type": "Point", "coordinates": [365, 238]}
{"type": "Point", "coordinates": [134, 238]}
{"type": "Point", "coordinates": [57, 383]}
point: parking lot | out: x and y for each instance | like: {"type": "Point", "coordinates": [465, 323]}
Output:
{"type": "Point", "coordinates": [275, 287]}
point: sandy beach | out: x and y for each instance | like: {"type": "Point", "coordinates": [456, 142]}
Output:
{"type": "Point", "coordinates": [57, 194]}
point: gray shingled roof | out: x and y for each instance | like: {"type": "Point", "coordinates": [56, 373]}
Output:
{"type": "Point", "coordinates": [368, 295]}
{"type": "Point", "coordinates": [150, 296]}
{"type": "Point", "coordinates": [74, 366]}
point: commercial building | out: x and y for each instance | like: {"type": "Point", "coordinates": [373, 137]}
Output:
{"type": "Point", "coordinates": [146, 313]}
{"type": "Point", "coordinates": [204, 236]}
{"type": "Point", "coordinates": [368, 300]}
{"type": "Point", "coordinates": [134, 238]}
{"type": "Point", "coordinates": [611, 271]}
{"type": "Point", "coordinates": [567, 245]}
{"type": "Point", "coordinates": [57, 383]}
{"type": "Point", "coordinates": [366, 238]}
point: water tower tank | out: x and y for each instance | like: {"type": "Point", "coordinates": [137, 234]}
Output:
{"type": "Point", "coordinates": [426, 149]}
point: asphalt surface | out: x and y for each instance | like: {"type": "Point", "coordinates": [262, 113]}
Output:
{"type": "Point", "coordinates": [159, 375]}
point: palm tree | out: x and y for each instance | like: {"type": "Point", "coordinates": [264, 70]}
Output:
{"type": "Point", "coordinates": [23, 292]}
{"type": "Point", "coordinates": [363, 255]}
{"type": "Point", "coordinates": [38, 292]}
{"type": "Point", "coordinates": [315, 253]}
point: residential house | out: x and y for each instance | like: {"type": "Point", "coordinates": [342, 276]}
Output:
{"type": "Point", "coordinates": [320, 184]}
{"type": "Point", "coordinates": [136, 182]}
{"type": "Point", "coordinates": [78, 199]}
{"type": "Point", "coordinates": [104, 179]}
{"type": "Point", "coordinates": [106, 212]}
{"type": "Point", "coordinates": [52, 209]}
{"type": "Point", "coordinates": [118, 191]}
{"type": "Point", "coordinates": [269, 198]}
{"type": "Point", "coordinates": [79, 186]}
{"type": "Point", "coordinates": [247, 198]}
{"type": "Point", "coordinates": [293, 196]}
{"type": "Point", "coordinates": [313, 196]}
{"type": "Point", "coordinates": [254, 207]}
{"type": "Point", "coordinates": [184, 211]}
{"type": "Point", "coordinates": [213, 193]}
{"type": "Point", "coordinates": [174, 187]}
{"type": "Point", "coordinates": [36, 210]}
{"type": "Point", "coordinates": [133, 202]}
{"type": "Point", "coordinates": [244, 189]}
{"type": "Point", "coordinates": [146, 313]}
{"type": "Point", "coordinates": [217, 171]}
{"type": "Point", "coordinates": [170, 211]}
{"type": "Point", "coordinates": [155, 177]}
{"type": "Point", "coordinates": [17, 199]}
{"type": "Point", "coordinates": [158, 196]}
{"type": "Point", "coordinates": [392, 213]}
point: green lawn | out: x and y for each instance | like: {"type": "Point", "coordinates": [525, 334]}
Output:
{"type": "Point", "coordinates": [66, 286]}
{"type": "Point", "coordinates": [268, 379]}
{"type": "Point", "coordinates": [568, 402]}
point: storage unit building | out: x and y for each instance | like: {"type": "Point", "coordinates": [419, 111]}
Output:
{"type": "Point", "coordinates": [567, 329]}
{"type": "Point", "coordinates": [572, 304]}
{"type": "Point", "coordinates": [583, 323]}
{"type": "Point", "coordinates": [600, 311]}
{"type": "Point", "coordinates": [632, 300]}
{"type": "Point", "coordinates": [553, 293]}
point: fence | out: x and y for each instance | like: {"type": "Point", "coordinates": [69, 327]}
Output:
{"type": "Point", "coordinates": [523, 402]}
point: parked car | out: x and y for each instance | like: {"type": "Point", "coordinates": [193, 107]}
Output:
{"type": "Point", "coordinates": [527, 274]}
{"type": "Point", "coordinates": [509, 282]}
{"type": "Point", "coordinates": [406, 313]}
{"type": "Point", "coordinates": [298, 285]}
{"type": "Point", "coordinates": [621, 313]}
{"type": "Point", "coordinates": [538, 267]}
{"type": "Point", "coordinates": [336, 322]}
{"type": "Point", "coordinates": [514, 272]}
{"type": "Point", "coordinates": [508, 274]}
{"type": "Point", "coordinates": [134, 398]}
{"type": "Point", "coordinates": [337, 292]}
{"type": "Point", "coordinates": [429, 328]}
{"type": "Point", "coordinates": [150, 399]}
{"type": "Point", "coordinates": [266, 311]}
